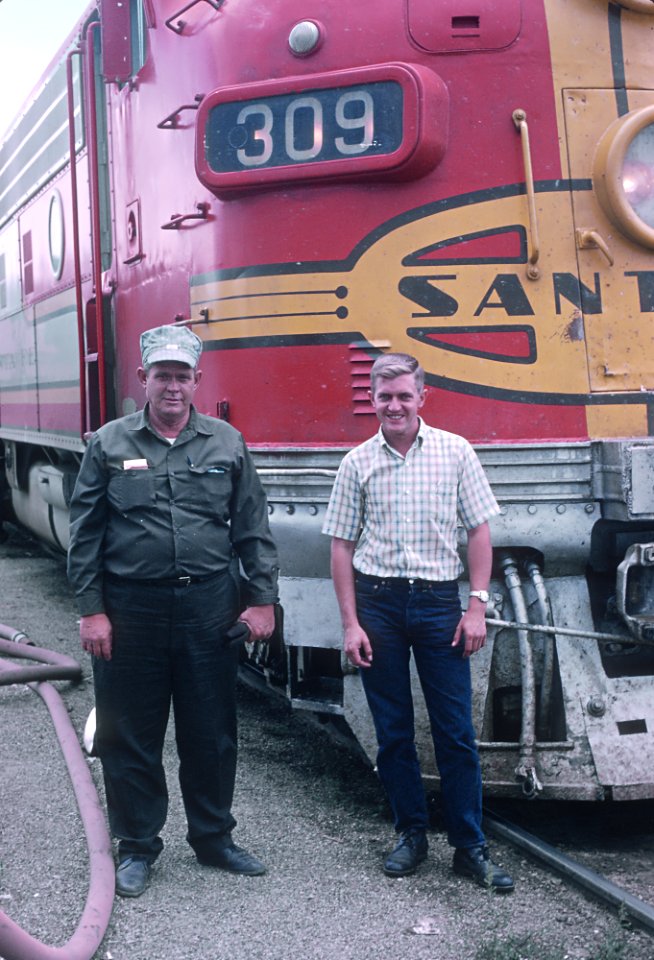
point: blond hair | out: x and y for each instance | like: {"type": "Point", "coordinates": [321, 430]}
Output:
{"type": "Point", "coordinates": [391, 365]}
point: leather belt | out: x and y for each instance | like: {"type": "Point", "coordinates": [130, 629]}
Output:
{"type": "Point", "coordinates": [183, 581]}
{"type": "Point", "coordinates": [405, 582]}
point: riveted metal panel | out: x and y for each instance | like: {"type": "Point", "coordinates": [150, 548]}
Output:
{"type": "Point", "coordinates": [617, 334]}
{"type": "Point", "coordinates": [622, 740]}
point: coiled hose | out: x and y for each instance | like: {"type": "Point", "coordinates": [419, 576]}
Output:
{"type": "Point", "coordinates": [15, 943]}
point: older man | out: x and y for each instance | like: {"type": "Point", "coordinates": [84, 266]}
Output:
{"type": "Point", "coordinates": [166, 504]}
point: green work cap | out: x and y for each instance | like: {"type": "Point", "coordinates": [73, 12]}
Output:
{"type": "Point", "coordinates": [170, 343]}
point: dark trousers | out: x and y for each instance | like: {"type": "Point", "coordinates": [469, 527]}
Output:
{"type": "Point", "coordinates": [168, 647]}
{"type": "Point", "coordinates": [400, 618]}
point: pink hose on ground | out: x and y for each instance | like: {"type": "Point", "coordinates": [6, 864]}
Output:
{"type": "Point", "coordinates": [15, 943]}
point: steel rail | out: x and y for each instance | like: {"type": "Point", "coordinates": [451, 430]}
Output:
{"type": "Point", "coordinates": [16, 943]}
{"type": "Point", "coordinates": [597, 884]}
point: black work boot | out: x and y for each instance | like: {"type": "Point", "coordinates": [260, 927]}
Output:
{"type": "Point", "coordinates": [475, 862]}
{"type": "Point", "coordinates": [132, 876]}
{"type": "Point", "coordinates": [233, 858]}
{"type": "Point", "coordinates": [410, 850]}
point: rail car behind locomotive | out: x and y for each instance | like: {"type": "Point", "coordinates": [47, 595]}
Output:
{"type": "Point", "coordinates": [307, 183]}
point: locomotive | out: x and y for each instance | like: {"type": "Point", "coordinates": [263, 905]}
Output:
{"type": "Point", "coordinates": [306, 184]}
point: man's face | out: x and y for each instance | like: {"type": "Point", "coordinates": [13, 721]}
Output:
{"type": "Point", "coordinates": [169, 388]}
{"type": "Point", "coordinates": [396, 404]}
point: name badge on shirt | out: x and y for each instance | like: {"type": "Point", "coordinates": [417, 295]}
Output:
{"type": "Point", "coordinates": [135, 464]}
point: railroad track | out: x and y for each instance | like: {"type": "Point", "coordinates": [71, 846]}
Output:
{"type": "Point", "coordinates": [625, 902]}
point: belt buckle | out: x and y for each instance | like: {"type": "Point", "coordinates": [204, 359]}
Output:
{"type": "Point", "coordinates": [184, 581]}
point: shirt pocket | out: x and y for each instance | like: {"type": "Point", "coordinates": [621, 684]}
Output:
{"type": "Point", "coordinates": [443, 501]}
{"type": "Point", "coordinates": [131, 490]}
{"type": "Point", "coordinates": [209, 488]}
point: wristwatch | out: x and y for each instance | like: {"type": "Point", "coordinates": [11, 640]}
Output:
{"type": "Point", "coordinates": [482, 595]}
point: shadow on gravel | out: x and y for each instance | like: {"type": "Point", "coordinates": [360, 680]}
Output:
{"type": "Point", "coordinates": [301, 744]}
{"type": "Point", "coordinates": [581, 825]}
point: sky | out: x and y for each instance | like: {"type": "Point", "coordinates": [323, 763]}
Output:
{"type": "Point", "coordinates": [31, 32]}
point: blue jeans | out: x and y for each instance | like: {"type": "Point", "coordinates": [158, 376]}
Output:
{"type": "Point", "coordinates": [168, 648]}
{"type": "Point", "coordinates": [399, 617]}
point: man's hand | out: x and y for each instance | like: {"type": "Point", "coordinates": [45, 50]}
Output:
{"type": "Point", "coordinates": [357, 646]}
{"type": "Point", "coordinates": [472, 628]}
{"type": "Point", "coordinates": [260, 621]}
{"type": "Point", "coordinates": [355, 640]}
{"type": "Point", "coordinates": [96, 635]}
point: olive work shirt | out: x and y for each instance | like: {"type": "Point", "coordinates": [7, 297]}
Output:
{"type": "Point", "coordinates": [145, 509]}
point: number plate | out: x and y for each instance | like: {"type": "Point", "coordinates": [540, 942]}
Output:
{"type": "Point", "coordinates": [310, 127]}
{"type": "Point", "coordinates": [350, 123]}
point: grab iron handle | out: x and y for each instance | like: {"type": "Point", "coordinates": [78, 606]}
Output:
{"type": "Point", "coordinates": [591, 239]}
{"type": "Point", "coordinates": [177, 219]}
{"type": "Point", "coordinates": [520, 121]}
{"type": "Point", "coordinates": [179, 26]}
{"type": "Point", "coordinates": [170, 122]}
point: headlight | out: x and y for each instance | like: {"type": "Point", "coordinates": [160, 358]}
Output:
{"type": "Point", "coordinates": [623, 175]}
{"type": "Point", "coordinates": [638, 175]}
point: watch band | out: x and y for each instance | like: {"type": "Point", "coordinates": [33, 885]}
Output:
{"type": "Point", "coordinates": [482, 595]}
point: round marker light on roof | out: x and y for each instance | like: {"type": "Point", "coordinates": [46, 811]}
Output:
{"type": "Point", "coordinates": [623, 175]}
{"type": "Point", "coordinates": [304, 38]}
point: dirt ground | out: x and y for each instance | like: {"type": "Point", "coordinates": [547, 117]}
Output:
{"type": "Point", "coordinates": [311, 809]}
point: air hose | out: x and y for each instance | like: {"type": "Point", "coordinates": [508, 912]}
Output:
{"type": "Point", "coordinates": [16, 943]}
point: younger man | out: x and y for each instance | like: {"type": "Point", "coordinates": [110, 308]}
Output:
{"type": "Point", "coordinates": [393, 522]}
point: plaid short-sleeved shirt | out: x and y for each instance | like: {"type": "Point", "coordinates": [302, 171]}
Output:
{"type": "Point", "coordinates": [403, 511]}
